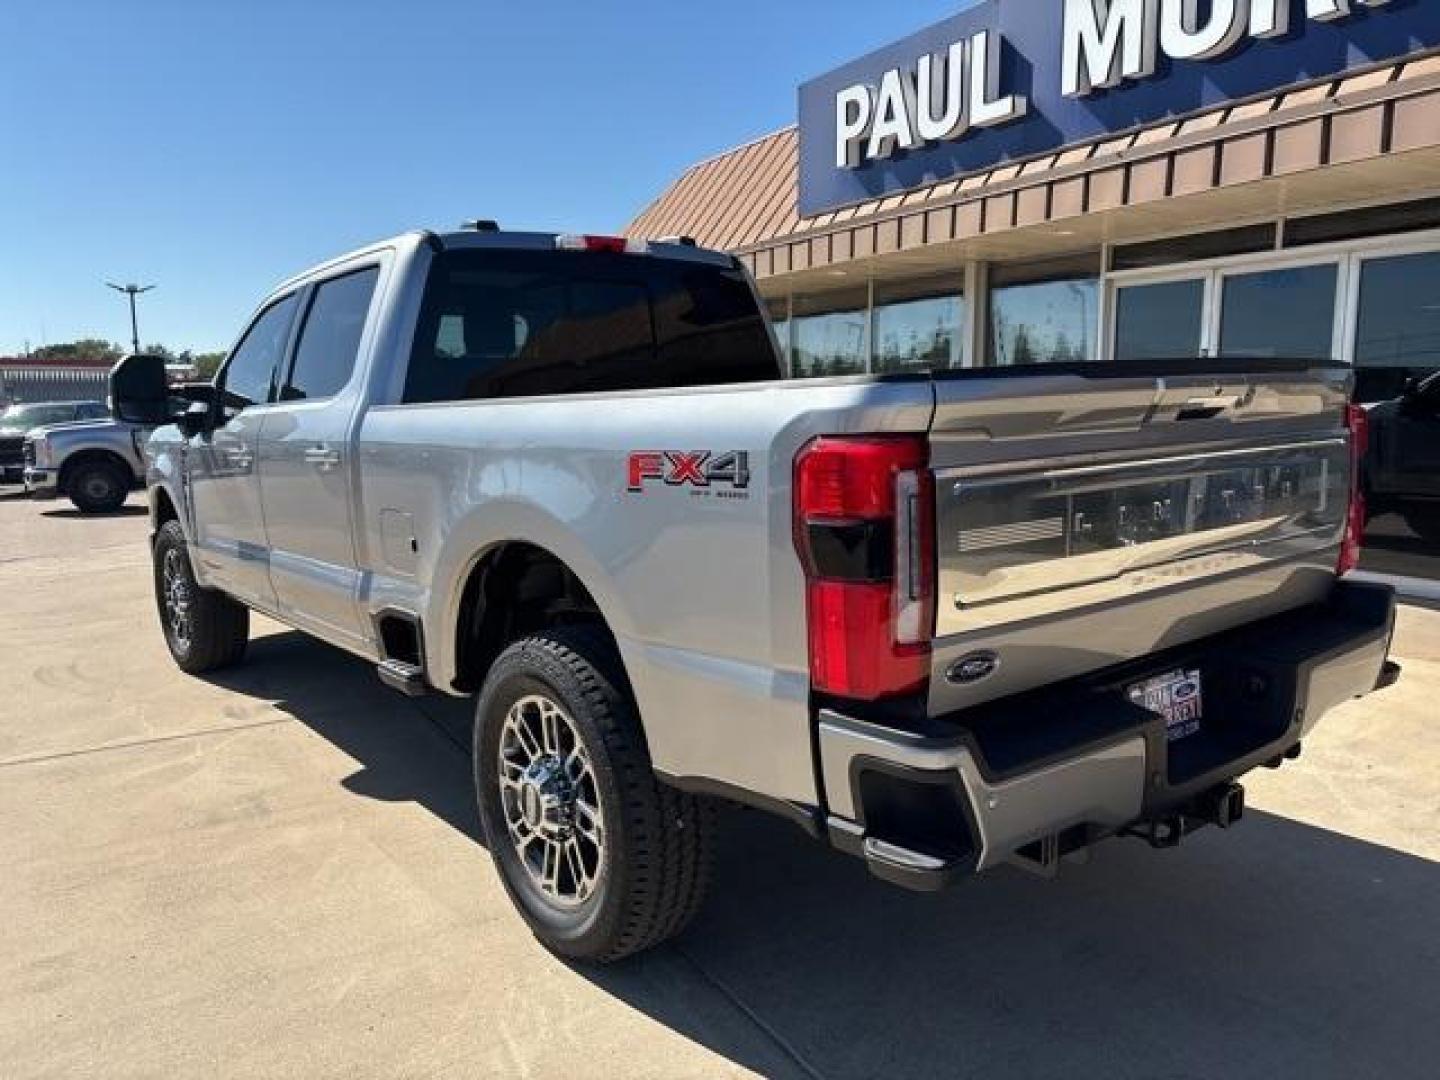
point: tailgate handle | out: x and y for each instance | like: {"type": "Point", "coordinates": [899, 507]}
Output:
{"type": "Point", "coordinates": [1207, 408]}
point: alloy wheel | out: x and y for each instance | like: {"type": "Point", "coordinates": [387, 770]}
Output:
{"type": "Point", "coordinates": [551, 801]}
{"type": "Point", "coordinates": [175, 594]}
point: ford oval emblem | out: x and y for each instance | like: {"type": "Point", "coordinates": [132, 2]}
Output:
{"type": "Point", "coordinates": [973, 668]}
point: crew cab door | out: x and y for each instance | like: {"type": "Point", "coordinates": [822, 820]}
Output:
{"type": "Point", "coordinates": [306, 469]}
{"type": "Point", "coordinates": [220, 464]}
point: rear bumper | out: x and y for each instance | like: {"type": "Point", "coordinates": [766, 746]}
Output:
{"type": "Point", "coordinates": [41, 483]}
{"type": "Point", "coordinates": [1062, 767]}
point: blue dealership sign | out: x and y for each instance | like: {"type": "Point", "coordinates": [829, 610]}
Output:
{"type": "Point", "coordinates": [1010, 79]}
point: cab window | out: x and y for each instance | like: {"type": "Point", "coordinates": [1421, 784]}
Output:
{"type": "Point", "coordinates": [248, 378]}
{"type": "Point", "coordinates": [330, 338]}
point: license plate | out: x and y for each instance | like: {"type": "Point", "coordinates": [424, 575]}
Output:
{"type": "Point", "coordinates": [1175, 696]}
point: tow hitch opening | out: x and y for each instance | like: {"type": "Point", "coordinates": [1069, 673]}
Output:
{"type": "Point", "coordinates": [1222, 806]}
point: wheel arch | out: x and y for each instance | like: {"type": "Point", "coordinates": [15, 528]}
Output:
{"type": "Point", "coordinates": [512, 588]}
{"type": "Point", "coordinates": [468, 546]}
{"type": "Point", "coordinates": [90, 456]}
{"type": "Point", "coordinates": [164, 507]}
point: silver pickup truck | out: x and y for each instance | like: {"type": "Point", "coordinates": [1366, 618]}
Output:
{"type": "Point", "coordinates": [17, 420]}
{"type": "Point", "coordinates": [94, 463]}
{"type": "Point", "coordinates": [941, 622]}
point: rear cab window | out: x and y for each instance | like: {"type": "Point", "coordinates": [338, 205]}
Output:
{"type": "Point", "coordinates": [330, 337]}
{"type": "Point", "coordinates": [499, 323]}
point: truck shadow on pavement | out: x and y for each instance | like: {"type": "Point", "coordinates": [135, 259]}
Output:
{"type": "Point", "coordinates": [409, 750]}
{"type": "Point", "coordinates": [1278, 949]}
{"type": "Point", "coordinates": [124, 511]}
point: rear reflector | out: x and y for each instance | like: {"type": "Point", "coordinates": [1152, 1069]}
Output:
{"type": "Point", "coordinates": [864, 530]}
{"type": "Point", "coordinates": [1358, 421]}
{"type": "Point", "coordinates": [616, 245]}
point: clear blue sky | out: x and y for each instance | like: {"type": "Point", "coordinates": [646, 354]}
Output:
{"type": "Point", "coordinates": [216, 146]}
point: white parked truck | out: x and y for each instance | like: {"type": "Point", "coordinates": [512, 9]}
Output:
{"type": "Point", "coordinates": [940, 621]}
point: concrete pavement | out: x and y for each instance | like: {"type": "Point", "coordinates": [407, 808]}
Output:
{"type": "Point", "coordinates": [277, 873]}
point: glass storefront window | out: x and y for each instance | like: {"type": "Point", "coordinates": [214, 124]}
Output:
{"type": "Point", "coordinates": [1045, 314]}
{"type": "Point", "coordinates": [1159, 322]}
{"type": "Point", "coordinates": [779, 312]}
{"type": "Point", "coordinates": [1283, 314]}
{"type": "Point", "coordinates": [829, 334]}
{"type": "Point", "coordinates": [1397, 334]}
{"type": "Point", "coordinates": [918, 327]}
{"type": "Point", "coordinates": [782, 337]}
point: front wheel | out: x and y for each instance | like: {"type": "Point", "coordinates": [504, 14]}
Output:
{"type": "Point", "coordinates": [97, 487]}
{"type": "Point", "coordinates": [204, 629]}
{"type": "Point", "coordinates": [600, 858]}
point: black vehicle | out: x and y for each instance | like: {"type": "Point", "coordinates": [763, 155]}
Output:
{"type": "Point", "coordinates": [1402, 470]}
{"type": "Point", "coordinates": [17, 419]}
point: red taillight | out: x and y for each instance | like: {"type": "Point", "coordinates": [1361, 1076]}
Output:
{"type": "Point", "coordinates": [864, 524]}
{"type": "Point", "coordinates": [1358, 421]}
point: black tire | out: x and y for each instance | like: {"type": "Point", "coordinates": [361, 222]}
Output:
{"type": "Point", "coordinates": [97, 487]}
{"type": "Point", "coordinates": [218, 627]}
{"type": "Point", "coordinates": [655, 865]}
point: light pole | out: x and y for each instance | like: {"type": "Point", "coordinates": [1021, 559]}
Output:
{"type": "Point", "coordinates": [132, 291]}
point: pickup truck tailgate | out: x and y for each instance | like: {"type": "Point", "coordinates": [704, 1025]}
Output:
{"type": "Point", "coordinates": [1086, 518]}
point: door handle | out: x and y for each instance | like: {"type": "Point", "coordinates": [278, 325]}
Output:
{"type": "Point", "coordinates": [1207, 408]}
{"type": "Point", "coordinates": [322, 457]}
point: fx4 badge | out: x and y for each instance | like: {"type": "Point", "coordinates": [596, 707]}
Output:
{"type": "Point", "coordinates": [703, 469]}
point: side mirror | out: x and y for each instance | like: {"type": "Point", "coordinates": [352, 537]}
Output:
{"type": "Point", "coordinates": [140, 390]}
{"type": "Point", "coordinates": [195, 419]}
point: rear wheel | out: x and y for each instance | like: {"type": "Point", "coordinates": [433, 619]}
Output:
{"type": "Point", "coordinates": [600, 858]}
{"type": "Point", "coordinates": [204, 629]}
{"type": "Point", "coordinates": [97, 487]}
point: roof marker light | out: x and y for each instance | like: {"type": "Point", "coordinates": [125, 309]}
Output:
{"type": "Point", "coordinates": [617, 245]}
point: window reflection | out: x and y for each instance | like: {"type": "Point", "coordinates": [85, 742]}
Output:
{"type": "Point", "coordinates": [779, 313]}
{"type": "Point", "coordinates": [1048, 322]}
{"type": "Point", "coordinates": [828, 334]}
{"type": "Point", "coordinates": [918, 332]}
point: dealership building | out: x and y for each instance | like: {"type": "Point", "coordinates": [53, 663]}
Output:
{"type": "Point", "coordinates": [1101, 181]}
{"type": "Point", "coordinates": [26, 379]}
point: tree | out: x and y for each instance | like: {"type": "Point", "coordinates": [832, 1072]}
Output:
{"type": "Point", "coordinates": [207, 363]}
{"type": "Point", "coordinates": [83, 349]}
{"type": "Point", "coordinates": [1024, 352]}
{"type": "Point", "coordinates": [1067, 351]}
